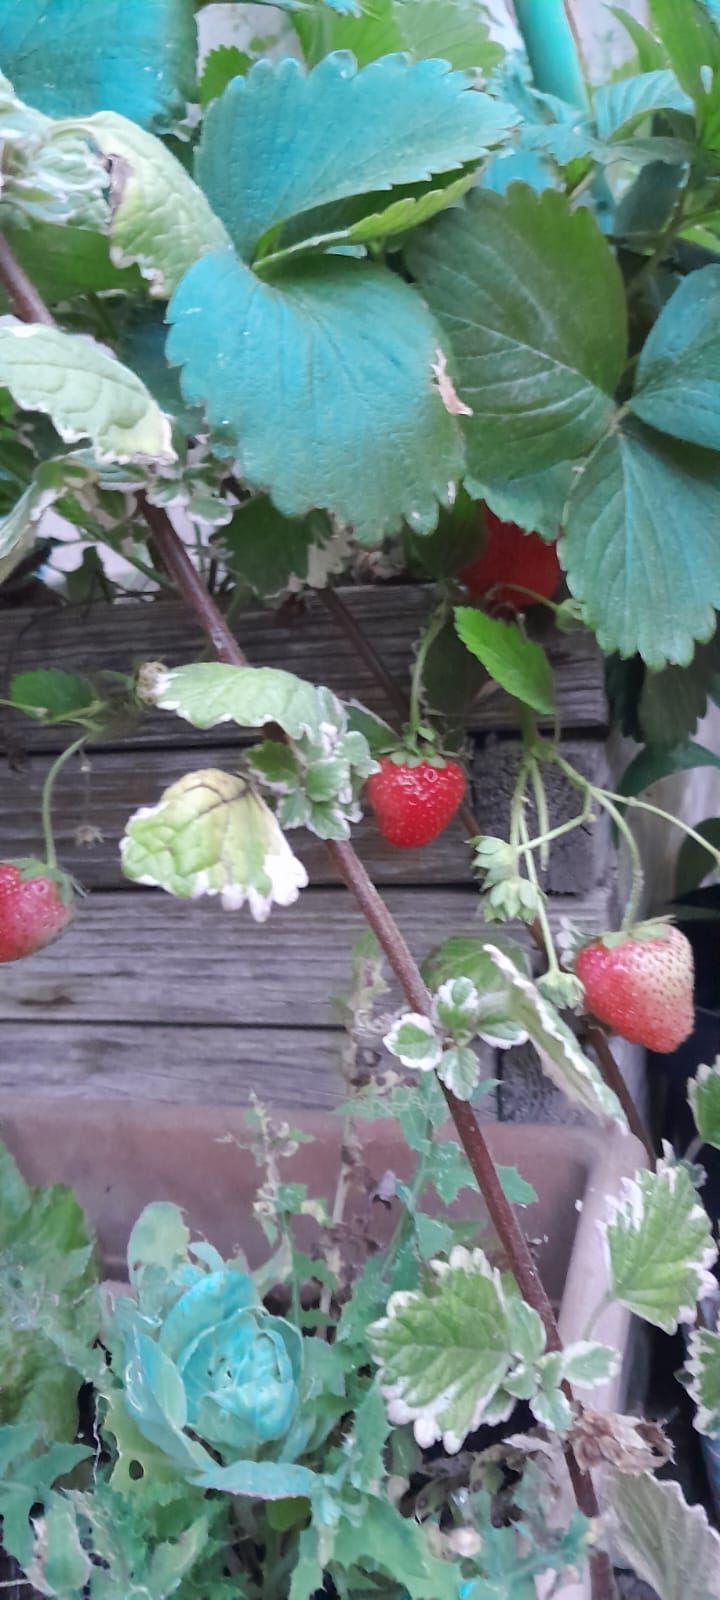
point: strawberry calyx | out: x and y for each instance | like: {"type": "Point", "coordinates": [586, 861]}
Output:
{"type": "Point", "coordinates": [32, 867]}
{"type": "Point", "coordinates": [654, 928]}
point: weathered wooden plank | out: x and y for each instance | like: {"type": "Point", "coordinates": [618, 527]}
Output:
{"type": "Point", "coordinates": [140, 957]}
{"type": "Point", "coordinates": [123, 635]}
{"type": "Point", "coordinates": [118, 783]}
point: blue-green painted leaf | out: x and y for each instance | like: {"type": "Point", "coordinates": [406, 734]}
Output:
{"type": "Point", "coordinates": [324, 381]}
{"type": "Point", "coordinates": [641, 545]}
{"type": "Point", "coordinates": [536, 502]}
{"type": "Point", "coordinates": [72, 57]}
{"type": "Point", "coordinates": [677, 387]}
{"type": "Point", "coordinates": [531, 298]}
{"type": "Point", "coordinates": [627, 99]}
{"type": "Point", "coordinates": [692, 41]}
{"type": "Point", "coordinates": [281, 141]}
{"type": "Point", "coordinates": [261, 1480]}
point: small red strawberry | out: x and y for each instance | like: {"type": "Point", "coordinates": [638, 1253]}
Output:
{"type": "Point", "coordinates": [413, 800]}
{"type": "Point", "coordinates": [512, 557]}
{"type": "Point", "coordinates": [641, 984]}
{"type": "Point", "coordinates": [36, 905]}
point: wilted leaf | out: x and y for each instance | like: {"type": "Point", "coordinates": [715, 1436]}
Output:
{"type": "Point", "coordinates": [668, 1543]}
{"type": "Point", "coordinates": [210, 833]}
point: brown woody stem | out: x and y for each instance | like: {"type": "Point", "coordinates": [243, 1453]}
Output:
{"type": "Point", "coordinates": [175, 559]}
{"type": "Point", "coordinates": [597, 1039]}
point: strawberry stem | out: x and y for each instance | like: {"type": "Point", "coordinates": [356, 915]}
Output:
{"type": "Point", "coordinates": [47, 795]}
{"type": "Point", "coordinates": [433, 629]}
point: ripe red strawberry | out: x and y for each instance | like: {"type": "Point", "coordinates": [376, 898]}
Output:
{"type": "Point", "coordinates": [35, 906]}
{"type": "Point", "coordinates": [414, 801]}
{"type": "Point", "coordinates": [512, 557]}
{"type": "Point", "coordinates": [641, 985]}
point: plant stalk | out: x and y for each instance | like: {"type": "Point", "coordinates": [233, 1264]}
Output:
{"type": "Point", "coordinates": [553, 49]}
{"type": "Point", "coordinates": [178, 564]}
{"type": "Point", "coordinates": [614, 1079]}
{"type": "Point", "coordinates": [47, 795]}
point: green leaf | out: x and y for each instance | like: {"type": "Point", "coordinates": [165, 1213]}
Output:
{"type": "Point", "coordinates": [26, 1481]}
{"type": "Point", "coordinates": [219, 68]}
{"type": "Point", "coordinates": [677, 387]}
{"type": "Point", "coordinates": [60, 1566]}
{"type": "Point", "coordinates": [445, 1350]}
{"type": "Point", "coordinates": [269, 550]}
{"type": "Point", "coordinates": [693, 863]}
{"type": "Point", "coordinates": [703, 1367]}
{"type": "Point", "coordinates": [650, 53]}
{"type": "Point", "coordinates": [209, 693]}
{"type": "Point", "coordinates": [515, 1188]}
{"type": "Point", "coordinates": [668, 1543]}
{"type": "Point", "coordinates": [693, 45]}
{"type": "Point", "coordinates": [65, 261]}
{"type": "Point", "coordinates": [451, 29]}
{"type": "Point", "coordinates": [159, 1238]}
{"type": "Point", "coordinates": [640, 505]}
{"type": "Point", "coordinates": [589, 1364]}
{"type": "Point", "coordinates": [415, 1043]}
{"type": "Point", "coordinates": [465, 956]}
{"type": "Point", "coordinates": [519, 665]}
{"type": "Point", "coordinates": [210, 833]}
{"type": "Point", "coordinates": [50, 695]}
{"type": "Point", "coordinates": [672, 702]}
{"type": "Point", "coordinates": [83, 389]}
{"type": "Point", "coordinates": [160, 220]}
{"type": "Point", "coordinates": [659, 1247]}
{"type": "Point", "coordinates": [626, 100]}
{"type": "Point", "coordinates": [260, 1480]}
{"type": "Point", "coordinates": [654, 763]}
{"type": "Point", "coordinates": [536, 502]}
{"type": "Point", "coordinates": [559, 1052]}
{"type": "Point", "coordinates": [72, 57]}
{"type": "Point", "coordinates": [459, 1070]}
{"type": "Point", "coordinates": [325, 386]}
{"type": "Point", "coordinates": [401, 123]}
{"type": "Point", "coordinates": [536, 370]}
{"type": "Point", "coordinates": [406, 212]}
{"type": "Point", "coordinates": [704, 1101]}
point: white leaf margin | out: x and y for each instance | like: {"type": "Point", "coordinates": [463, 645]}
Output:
{"type": "Point", "coordinates": [629, 1206]}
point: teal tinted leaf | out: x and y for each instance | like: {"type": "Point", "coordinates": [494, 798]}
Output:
{"type": "Point", "coordinates": [401, 122]}
{"type": "Point", "coordinates": [640, 547]}
{"type": "Point", "coordinates": [160, 219]}
{"type": "Point", "coordinates": [626, 100]}
{"type": "Point", "coordinates": [693, 863]}
{"type": "Point", "coordinates": [219, 69]}
{"type": "Point", "coordinates": [536, 503]}
{"type": "Point", "coordinates": [654, 763]}
{"type": "Point", "coordinates": [677, 386]}
{"type": "Point", "coordinates": [536, 370]}
{"type": "Point", "coordinates": [704, 1101]}
{"type": "Point", "coordinates": [326, 386]}
{"type": "Point", "coordinates": [660, 1247]}
{"type": "Point", "coordinates": [267, 549]}
{"type": "Point", "coordinates": [519, 665]}
{"type": "Point", "coordinates": [72, 57]}
{"type": "Point", "coordinates": [260, 1480]}
{"type": "Point", "coordinates": [84, 390]}
{"type": "Point", "coordinates": [60, 1566]}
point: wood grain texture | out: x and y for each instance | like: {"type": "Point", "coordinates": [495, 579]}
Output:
{"type": "Point", "coordinates": [141, 956]}
{"type": "Point", "coordinates": [121, 636]}
{"type": "Point", "coordinates": [104, 797]}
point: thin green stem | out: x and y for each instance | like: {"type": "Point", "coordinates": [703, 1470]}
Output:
{"type": "Point", "coordinates": [606, 799]}
{"type": "Point", "coordinates": [542, 916]}
{"type": "Point", "coordinates": [667, 816]}
{"type": "Point", "coordinates": [543, 815]}
{"type": "Point", "coordinates": [595, 1316]}
{"type": "Point", "coordinates": [694, 1148]}
{"type": "Point", "coordinates": [562, 827]}
{"type": "Point", "coordinates": [517, 804]}
{"type": "Point", "coordinates": [434, 627]}
{"type": "Point", "coordinates": [47, 794]}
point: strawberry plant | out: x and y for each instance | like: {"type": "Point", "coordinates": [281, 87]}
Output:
{"type": "Point", "coordinates": [323, 308]}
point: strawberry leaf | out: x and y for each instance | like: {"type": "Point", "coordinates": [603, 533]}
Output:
{"type": "Point", "coordinates": [659, 1247]}
{"type": "Point", "coordinates": [668, 1543]}
{"type": "Point", "coordinates": [704, 1101]}
{"type": "Point", "coordinates": [703, 1383]}
{"type": "Point", "coordinates": [639, 547]}
{"type": "Point", "coordinates": [72, 57]}
{"type": "Point", "coordinates": [451, 29]}
{"type": "Point", "coordinates": [677, 386]}
{"type": "Point", "coordinates": [211, 834]}
{"type": "Point", "coordinates": [516, 663]}
{"type": "Point", "coordinates": [209, 693]}
{"type": "Point", "coordinates": [536, 370]}
{"type": "Point", "coordinates": [270, 149]}
{"type": "Point", "coordinates": [325, 387]}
